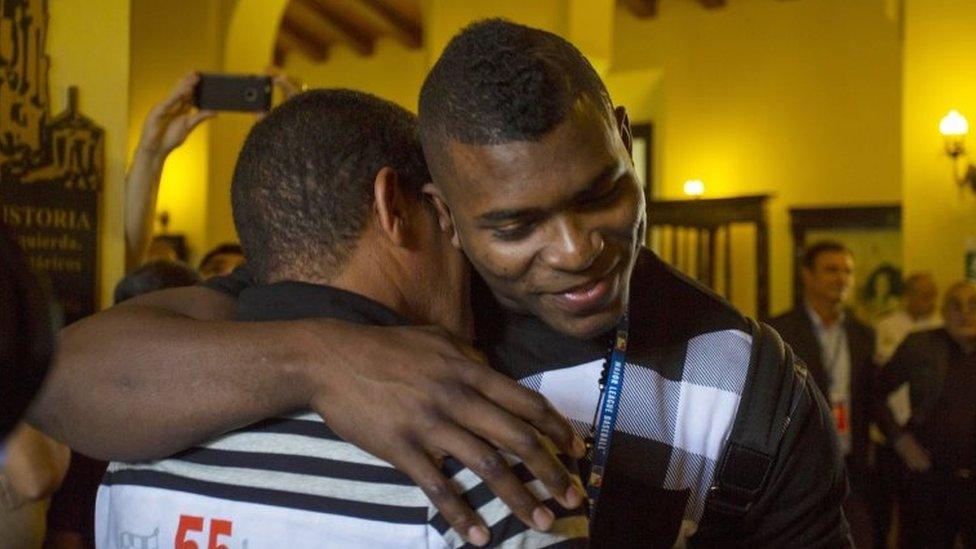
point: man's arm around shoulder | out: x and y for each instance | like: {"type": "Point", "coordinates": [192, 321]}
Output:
{"type": "Point", "coordinates": [166, 370]}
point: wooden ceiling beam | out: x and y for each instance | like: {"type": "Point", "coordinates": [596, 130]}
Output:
{"type": "Point", "coordinates": [642, 9]}
{"type": "Point", "coordinates": [406, 30]}
{"type": "Point", "coordinates": [361, 40]}
{"type": "Point", "coordinates": [292, 37]}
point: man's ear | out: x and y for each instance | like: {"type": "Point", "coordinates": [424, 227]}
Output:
{"type": "Point", "coordinates": [390, 209]}
{"type": "Point", "coordinates": [445, 220]}
{"type": "Point", "coordinates": [623, 126]}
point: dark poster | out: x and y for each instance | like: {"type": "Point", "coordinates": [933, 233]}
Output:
{"type": "Point", "coordinates": [51, 169]}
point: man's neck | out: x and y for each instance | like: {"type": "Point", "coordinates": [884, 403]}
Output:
{"type": "Point", "coordinates": [381, 281]}
{"type": "Point", "coordinates": [828, 312]}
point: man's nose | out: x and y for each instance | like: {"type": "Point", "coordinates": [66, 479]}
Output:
{"type": "Point", "coordinates": [572, 247]}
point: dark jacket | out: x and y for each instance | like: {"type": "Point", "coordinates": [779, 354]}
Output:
{"type": "Point", "coordinates": [921, 361]}
{"type": "Point", "coordinates": [797, 330]}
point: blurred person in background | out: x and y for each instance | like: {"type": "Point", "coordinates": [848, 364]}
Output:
{"type": "Point", "coordinates": [166, 128]}
{"type": "Point", "coordinates": [938, 443]}
{"type": "Point", "coordinates": [919, 312]}
{"type": "Point", "coordinates": [31, 464]}
{"type": "Point", "coordinates": [221, 260]}
{"type": "Point", "coordinates": [838, 351]}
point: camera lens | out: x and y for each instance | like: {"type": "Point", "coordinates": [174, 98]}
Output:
{"type": "Point", "coordinates": [250, 94]}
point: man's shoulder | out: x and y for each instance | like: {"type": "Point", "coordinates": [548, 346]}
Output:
{"type": "Point", "coordinates": [856, 325]}
{"type": "Point", "coordinates": [895, 320]}
{"type": "Point", "coordinates": [788, 319]}
{"type": "Point", "coordinates": [667, 305]}
{"type": "Point", "coordinates": [926, 339]}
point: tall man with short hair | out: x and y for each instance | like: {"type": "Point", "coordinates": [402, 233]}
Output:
{"type": "Point", "coordinates": [532, 172]}
{"type": "Point", "coordinates": [837, 349]}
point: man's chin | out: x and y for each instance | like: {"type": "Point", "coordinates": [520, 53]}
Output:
{"type": "Point", "coordinates": [585, 327]}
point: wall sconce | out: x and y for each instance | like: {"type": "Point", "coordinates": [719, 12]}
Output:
{"type": "Point", "coordinates": [954, 128]}
{"type": "Point", "coordinates": [694, 188]}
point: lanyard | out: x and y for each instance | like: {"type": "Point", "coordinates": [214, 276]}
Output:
{"type": "Point", "coordinates": [607, 418]}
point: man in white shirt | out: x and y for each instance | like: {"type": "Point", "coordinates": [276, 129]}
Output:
{"type": "Point", "coordinates": [918, 313]}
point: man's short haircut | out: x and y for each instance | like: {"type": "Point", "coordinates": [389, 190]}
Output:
{"type": "Point", "coordinates": [498, 82]}
{"type": "Point", "coordinates": [229, 248]}
{"type": "Point", "coordinates": [813, 251]}
{"type": "Point", "coordinates": [303, 185]}
{"type": "Point", "coordinates": [155, 275]}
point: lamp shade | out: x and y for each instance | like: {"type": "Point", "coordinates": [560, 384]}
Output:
{"type": "Point", "coordinates": [954, 125]}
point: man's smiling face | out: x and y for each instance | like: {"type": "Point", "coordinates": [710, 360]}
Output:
{"type": "Point", "coordinates": [552, 225]}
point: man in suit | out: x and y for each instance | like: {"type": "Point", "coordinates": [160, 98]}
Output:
{"type": "Point", "coordinates": [837, 349]}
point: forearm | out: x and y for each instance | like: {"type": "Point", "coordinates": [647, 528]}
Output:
{"type": "Point", "coordinates": [141, 189]}
{"type": "Point", "coordinates": [136, 383]}
{"type": "Point", "coordinates": [890, 377]}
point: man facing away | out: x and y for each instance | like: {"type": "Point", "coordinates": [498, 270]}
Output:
{"type": "Point", "coordinates": [938, 443]}
{"type": "Point", "coordinates": [531, 170]}
{"type": "Point", "coordinates": [328, 202]}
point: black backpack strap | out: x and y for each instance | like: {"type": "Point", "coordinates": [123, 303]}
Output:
{"type": "Point", "coordinates": [767, 403]}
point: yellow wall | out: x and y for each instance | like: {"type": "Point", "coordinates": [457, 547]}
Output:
{"type": "Point", "coordinates": [247, 32]}
{"type": "Point", "coordinates": [798, 99]}
{"type": "Point", "coordinates": [940, 74]}
{"type": "Point", "coordinates": [88, 42]}
{"type": "Point", "coordinates": [393, 72]}
{"type": "Point", "coordinates": [157, 61]}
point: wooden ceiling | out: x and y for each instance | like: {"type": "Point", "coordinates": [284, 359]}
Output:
{"type": "Point", "coordinates": [312, 27]}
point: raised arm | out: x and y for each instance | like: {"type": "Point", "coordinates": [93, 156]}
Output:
{"type": "Point", "coordinates": [164, 371]}
{"type": "Point", "coordinates": [166, 127]}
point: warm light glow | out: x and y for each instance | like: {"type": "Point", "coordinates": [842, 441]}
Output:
{"type": "Point", "coordinates": [694, 187]}
{"type": "Point", "coordinates": [954, 124]}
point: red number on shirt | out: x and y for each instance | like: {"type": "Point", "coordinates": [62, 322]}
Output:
{"type": "Point", "coordinates": [218, 527]}
{"type": "Point", "coordinates": [188, 523]}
